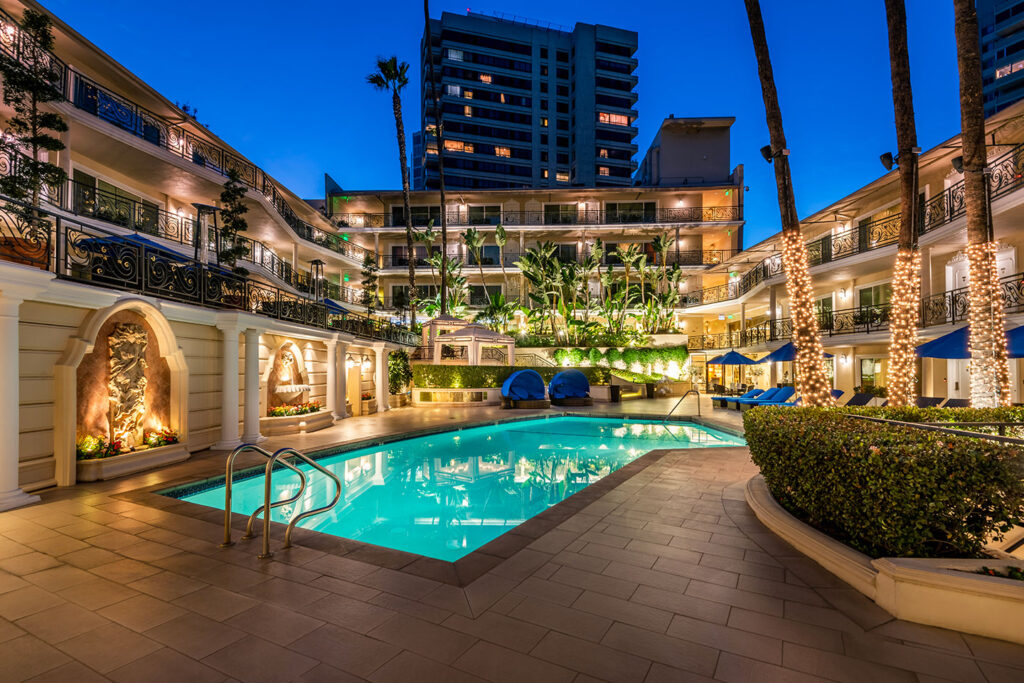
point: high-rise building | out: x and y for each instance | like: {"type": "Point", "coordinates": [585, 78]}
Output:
{"type": "Point", "coordinates": [1001, 23]}
{"type": "Point", "coordinates": [528, 105]}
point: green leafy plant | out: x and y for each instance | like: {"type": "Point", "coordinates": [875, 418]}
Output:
{"type": "Point", "coordinates": [232, 216]}
{"type": "Point", "coordinates": [93, 447]}
{"type": "Point", "coordinates": [299, 409]}
{"type": "Point", "coordinates": [887, 490]}
{"type": "Point", "coordinates": [486, 376]}
{"type": "Point", "coordinates": [1015, 573]}
{"type": "Point", "coordinates": [368, 297]}
{"type": "Point", "coordinates": [160, 437]}
{"type": "Point", "coordinates": [637, 377]}
{"type": "Point", "coordinates": [399, 372]}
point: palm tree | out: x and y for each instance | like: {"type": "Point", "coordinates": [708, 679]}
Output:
{"type": "Point", "coordinates": [426, 237]}
{"type": "Point", "coordinates": [501, 239]}
{"type": "Point", "coordinates": [629, 256]}
{"type": "Point", "coordinates": [906, 281]}
{"type": "Point", "coordinates": [811, 379]}
{"type": "Point", "coordinates": [661, 245]}
{"type": "Point", "coordinates": [989, 369]}
{"type": "Point", "coordinates": [435, 97]}
{"type": "Point", "coordinates": [474, 241]}
{"type": "Point", "coordinates": [392, 75]}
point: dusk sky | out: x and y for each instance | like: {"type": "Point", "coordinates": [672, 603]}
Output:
{"type": "Point", "coordinates": [285, 84]}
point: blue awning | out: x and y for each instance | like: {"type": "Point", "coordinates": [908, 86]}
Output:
{"type": "Point", "coordinates": [954, 344]}
{"type": "Point", "coordinates": [96, 243]}
{"type": "Point", "coordinates": [732, 358]}
{"type": "Point", "coordinates": [569, 384]}
{"type": "Point", "coordinates": [784, 354]}
{"type": "Point", "coordinates": [334, 308]}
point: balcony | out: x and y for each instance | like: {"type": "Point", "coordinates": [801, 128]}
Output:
{"type": "Point", "coordinates": [686, 214]}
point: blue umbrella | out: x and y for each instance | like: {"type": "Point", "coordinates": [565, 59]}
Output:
{"type": "Point", "coordinates": [732, 358]}
{"type": "Point", "coordinates": [335, 308]}
{"type": "Point", "coordinates": [954, 344]}
{"type": "Point", "coordinates": [784, 354]}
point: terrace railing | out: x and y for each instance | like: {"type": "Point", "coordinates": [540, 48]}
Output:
{"type": "Point", "coordinates": [688, 214]}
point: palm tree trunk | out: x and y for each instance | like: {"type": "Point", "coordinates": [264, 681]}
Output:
{"type": "Point", "coordinates": [906, 282]}
{"type": "Point", "coordinates": [989, 368]}
{"type": "Point", "coordinates": [396, 103]}
{"type": "Point", "coordinates": [436, 99]}
{"type": "Point", "coordinates": [811, 379]}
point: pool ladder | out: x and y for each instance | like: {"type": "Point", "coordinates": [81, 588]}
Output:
{"type": "Point", "coordinates": [281, 457]}
{"type": "Point", "coordinates": [681, 398]}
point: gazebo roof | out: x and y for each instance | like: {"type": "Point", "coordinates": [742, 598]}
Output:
{"type": "Point", "coordinates": [447, 319]}
{"type": "Point", "coordinates": [477, 332]}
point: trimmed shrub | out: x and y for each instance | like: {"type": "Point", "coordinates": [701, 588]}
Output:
{"type": "Point", "coordinates": [612, 355]}
{"type": "Point", "coordinates": [399, 372]}
{"type": "Point", "coordinates": [595, 356]}
{"type": "Point", "coordinates": [560, 355]}
{"type": "Point", "coordinates": [637, 377]}
{"type": "Point", "coordinates": [486, 376]}
{"type": "Point", "coordinates": [630, 356]}
{"type": "Point", "coordinates": [887, 490]}
{"type": "Point", "coordinates": [576, 356]}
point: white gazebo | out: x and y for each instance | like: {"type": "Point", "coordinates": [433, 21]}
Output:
{"type": "Point", "coordinates": [441, 325]}
{"type": "Point", "coordinates": [474, 344]}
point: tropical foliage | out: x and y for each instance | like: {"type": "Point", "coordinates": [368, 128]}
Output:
{"type": "Point", "coordinates": [486, 376]}
{"type": "Point", "coordinates": [399, 372]}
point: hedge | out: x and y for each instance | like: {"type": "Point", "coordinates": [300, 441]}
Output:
{"type": "Point", "coordinates": [887, 490]}
{"type": "Point", "coordinates": [629, 355]}
{"type": "Point", "coordinates": [486, 376]}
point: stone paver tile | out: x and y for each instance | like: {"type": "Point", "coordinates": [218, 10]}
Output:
{"type": "Point", "coordinates": [486, 591]}
{"type": "Point", "coordinates": [827, 617]}
{"type": "Point", "coordinates": [660, 673]}
{"type": "Point", "coordinates": [647, 577]}
{"type": "Point", "coordinates": [997, 673]}
{"type": "Point", "coordinates": [10, 582]}
{"type": "Point", "coordinates": [679, 603]}
{"type": "Point", "coordinates": [449, 598]}
{"type": "Point", "coordinates": [666, 551]}
{"type": "Point", "coordinates": [413, 608]}
{"type": "Point", "coordinates": [619, 555]}
{"type": "Point", "coordinates": [522, 564]}
{"type": "Point", "coordinates": [274, 623]}
{"type": "Point", "coordinates": [392, 581]}
{"type": "Point", "coordinates": [112, 540]}
{"type": "Point", "coordinates": [125, 570]}
{"type": "Point", "coordinates": [656, 647]}
{"type": "Point", "coordinates": [59, 578]}
{"type": "Point", "coordinates": [108, 647]}
{"type": "Point", "coordinates": [352, 614]}
{"type": "Point", "coordinates": [917, 659]}
{"type": "Point", "coordinates": [189, 564]}
{"type": "Point", "coordinates": [27, 656]}
{"type": "Point", "coordinates": [346, 588]}
{"type": "Point", "coordinates": [409, 666]}
{"type": "Point", "coordinates": [563, 619]}
{"type": "Point", "coordinates": [57, 545]}
{"type": "Point", "coordinates": [549, 590]}
{"type": "Point", "coordinates": [216, 603]}
{"type": "Point", "coordinates": [736, 669]}
{"type": "Point", "coordinates": [639, 534]}
{"type": "Point", "coordinates": [9, 548]}
{"type": "Point", "coordinates": [340, 567]}
{"type": "Point", "coordinates": [345, 650]}
{"type": "Point", "coordinates": [498, 629]}
{"type": "Point", "coordinates": [507, 603]}
{"type": "Point", "coordinates": [285, 593]}
{"type": "Point", "coordinates": [8, 630]}
{"type": "Point", "coordinates": [72, 671]}
{"type": "Point", "coordinates": [699, 572]}
{"type": "Point", "coordinates": [229, 577]}
{"type": "Point", "coordinates": [97, 593]}
{"type": "Point", "coordinates": [325, 673]}
{"type": "Point", "coordinates": [27, 563]}
{"type": "Point", "coordinates": [998, 651]}
{"type": "Point", "coordinates": [839, 667]}
{"type": "Point", "coordinates": [89, 557]}
{"type": "Point", "coordinates": [195, 635]}
{"type": "Point", "coordinates": [554, 541]}
{"type": "Point", "coordinates": [142, 612]}
{"type": "Point", "coordinates": [785, 629]}
{"type": "Point", "coordinates": [940, 638]}
{"type": "Point", "coordinates": [147, 551]}
{"type": "Point", "coordinates": [82, 529]}
{"type": "Point", "coordinates": [727, 639]}
{"type": "Point", "coordinates": [255, 660]}
{"type": "Point", "coordinates": [501, 665]}
{"type": "Point", "coordinates": [781, 589]}
{"type": "Point", "coordinates": [166, 585]}
{"type": "Point", "coordinates": [165, 666]}
{"type": "Point", "coordinates": [624, 611]}
{"type": "Point", "coordinates": [736, 598]}
{"type": "Point", "coordinates": [22, 602]}
{"type": "Point", "coordinates": [591, 658]}
{"type": "Point", "coordinates": [600, 583]}
{"type": "Point", "coordinates": [424, 638]}
{"type": "Point", "coordinates": [853, 604]}
{"type": "Point", "coordinates": [59, 623]}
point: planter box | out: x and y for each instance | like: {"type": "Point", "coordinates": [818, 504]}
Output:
{"type": "Point", "coordinates": [368, 406]}
{"type": "Point", "coordinates": [399, 400]}
{"type": "Point", "coordinates": [296, 424]}
{"type": "Point", "coordinates": [488, 396]}
{"type": "Point", "coordinates": [936, 592]}
{"type": "Point", "coordinates": [101, 469]}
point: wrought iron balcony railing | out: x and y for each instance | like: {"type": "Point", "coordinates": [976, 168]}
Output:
{"type": "Point", "coordinates": [89, 255]}
{"type": "Point", "coordinates": [689, 214]}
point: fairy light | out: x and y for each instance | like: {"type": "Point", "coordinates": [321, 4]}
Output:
{"type": "Point", "coordinates": [903, 316]}
{"type": "Point", "coordinates": [811, 378]}
{"type": "Point", "coordinates": [989, 369]}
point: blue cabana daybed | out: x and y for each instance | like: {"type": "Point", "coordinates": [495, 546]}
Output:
{"type": "Point", "coordinates": [523, 389]}
{"type": "Point", "coordinates": [570, 388]}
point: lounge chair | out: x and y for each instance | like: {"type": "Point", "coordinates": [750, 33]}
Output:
{"type": "Point", "coordinates": [927, 401]}
{"type": "Point", "coordinates": [859, 400]}
{"type": "Point", "coordinates": [769, 395]}
{"type": "Point", "coordinates": [957, 403]}
{"type": "Point", "coordinates": [785, 393]}
{"type": "Point", "coordinates": [836, 393]}
{"type": "Point", "coordinates": [720, 401]}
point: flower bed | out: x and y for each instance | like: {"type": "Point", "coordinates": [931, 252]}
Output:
{"type": "Point", "coordinates": [887, 490]}
{"type": "Point", "coordinates": [99, 459]}
{"type": "Point", "coordinates": [299, 409]}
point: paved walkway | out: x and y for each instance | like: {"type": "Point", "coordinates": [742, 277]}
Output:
{"type": "Point", "coordinates": [667, 577]}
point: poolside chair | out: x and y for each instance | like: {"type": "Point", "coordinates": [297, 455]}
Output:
{"type": "Point", "coordinates": [769, 395]}
{"type": "Point", "coordinates": [859, 400]}
{"type": "Point", "coordinates": [927, 401]}
{"type": "Point", "coordinates": [957, 403]}
{"type": "Point", "coordinates": [720, 401]}
{"type": "Point", "coordinates": [785, 393]}
{"type": "Point", "coordinates": [836, 393]}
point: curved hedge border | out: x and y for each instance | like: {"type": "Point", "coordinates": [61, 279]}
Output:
{"type": "Point", "coordinates": [486, 376]}
{"type": "Point", "coordinates": [887, 490]}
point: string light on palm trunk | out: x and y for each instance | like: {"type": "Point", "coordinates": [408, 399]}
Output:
{"type": "Point", "coordinates": [811, 378]}
{"type": "Point", "coordinates": [989, 368]}
{"type": "Point", "coordinates": [903, 314]}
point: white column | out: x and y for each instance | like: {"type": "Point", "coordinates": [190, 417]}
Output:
{"type": "Point", "coordinates": [382, 379]}
{"type": "Point", "coordinates": [332, 376]}
{"type": "Point", "coordinates": [251, 421]}
{"type": "Point", "coordinates": [11, 495]}
{"type": "Point", "coordinates": [229, 389]}
{"type": "Point", "coordinates": [341, 384]}
{"type": "Point", "coordinates": [204, 237]}
{"type": "Point", "coordinates": [295, 255]}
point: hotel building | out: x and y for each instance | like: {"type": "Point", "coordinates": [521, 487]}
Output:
{"type": "Point", "coordinates": [1001, 24]}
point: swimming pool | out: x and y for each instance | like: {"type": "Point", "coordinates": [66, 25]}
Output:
{"type": "Point", "coordinates": [447, 494]}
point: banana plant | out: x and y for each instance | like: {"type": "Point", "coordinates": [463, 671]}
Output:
{"type": "Point", "coordinates": [497, 313]}
{"type": "Point", "coordinates": [501, 239]}
{"type": "Point", "coordinates": [427, 237]}
{"type": "Point", "coordinates": [474, 241]}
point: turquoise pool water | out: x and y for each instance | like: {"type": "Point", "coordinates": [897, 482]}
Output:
{"type": "Point", "coordinates": [445, 495]}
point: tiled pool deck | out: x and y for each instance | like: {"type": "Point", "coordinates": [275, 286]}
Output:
{"type": "Point", "coordinates": [666, 576]}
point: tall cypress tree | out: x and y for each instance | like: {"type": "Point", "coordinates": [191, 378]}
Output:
{"type": "Point", "coordinates": [30, 80]}
{"type": "Point", "coordinates": [232, 216]}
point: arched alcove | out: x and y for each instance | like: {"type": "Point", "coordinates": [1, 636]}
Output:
{"type": "Point", "coordinates": [286, 367]}
{"type": "Point", "coordinates": [81, 375]}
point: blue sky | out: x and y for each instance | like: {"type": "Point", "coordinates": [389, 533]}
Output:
{"type": "Point", "coordinates": [288, 88]}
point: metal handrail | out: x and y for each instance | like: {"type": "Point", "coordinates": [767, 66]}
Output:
{"type": "Point", "coordinates": [281, 454]}
{"type": "Point", "coordinates": [229, 478]}
{"type": "Point", "coordinates": [691, 391]}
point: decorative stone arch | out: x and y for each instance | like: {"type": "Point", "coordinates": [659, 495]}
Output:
{"type": "Point", "coordinates": [303, 370]}
{"type": "Point", "coordinates": [66, 378]}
